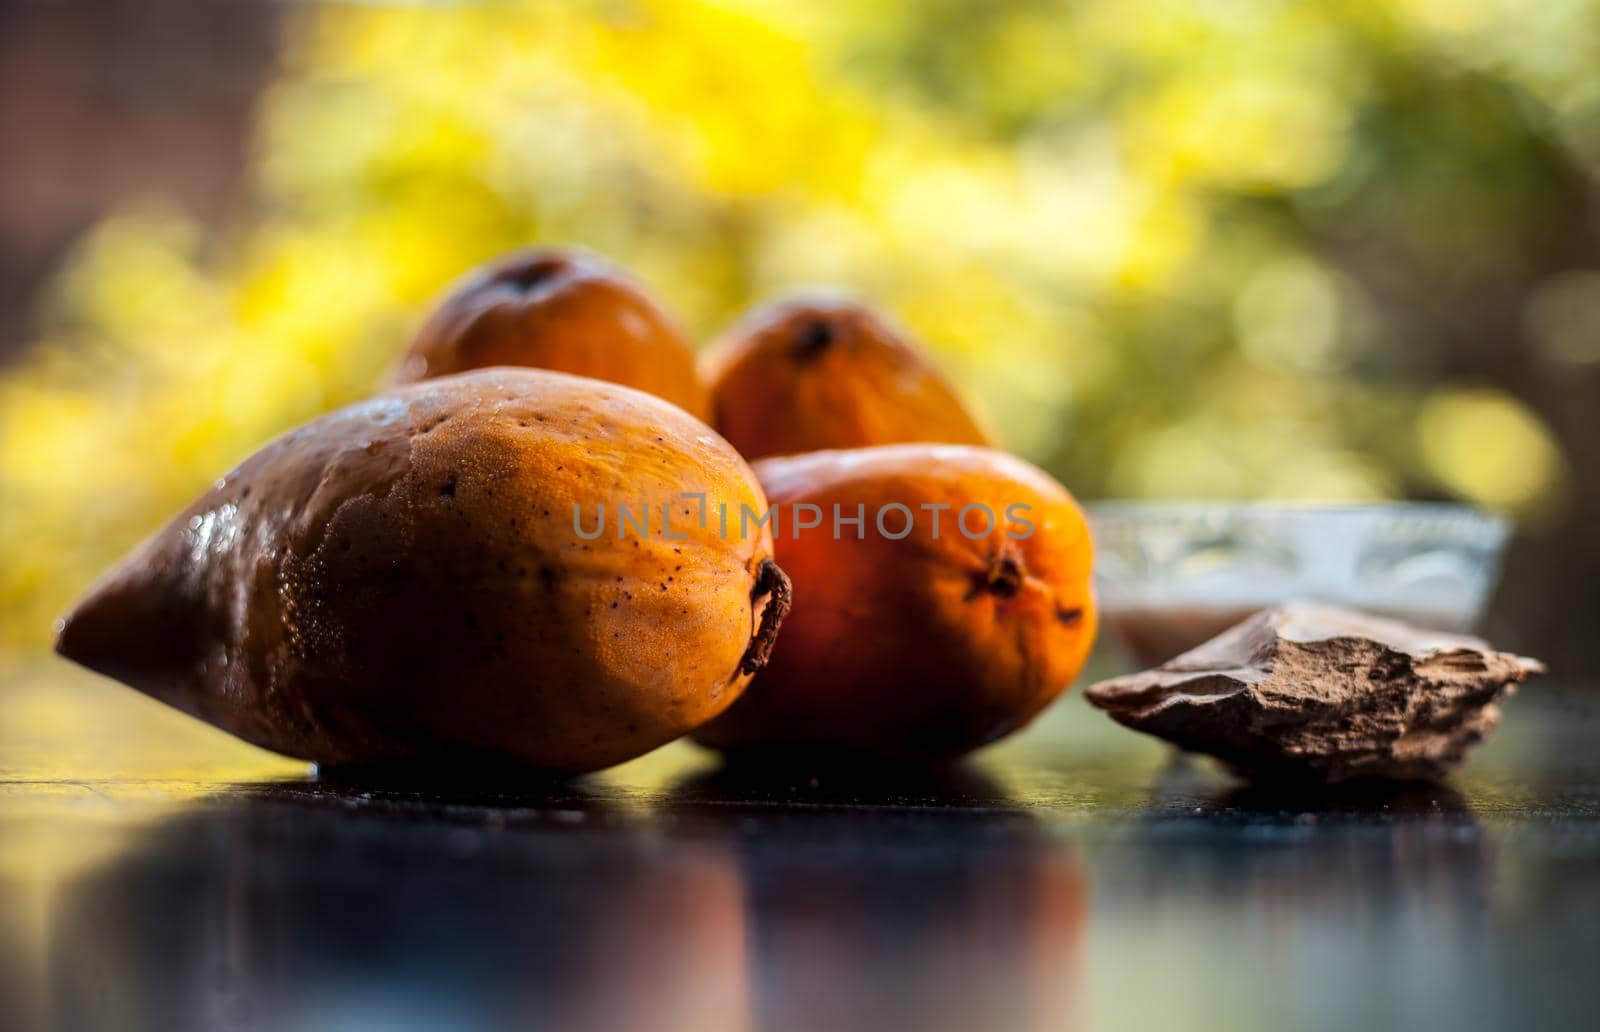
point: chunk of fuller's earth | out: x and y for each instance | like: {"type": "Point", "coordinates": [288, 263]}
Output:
{"type": "Point", "coordinates": [1319, 694]}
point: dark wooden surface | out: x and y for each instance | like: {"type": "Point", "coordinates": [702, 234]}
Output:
{"type": "Point", "coordinates": [154, 875]}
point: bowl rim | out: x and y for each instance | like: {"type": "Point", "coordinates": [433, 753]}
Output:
{"type": "Point", "coordinates": [1245, 508]}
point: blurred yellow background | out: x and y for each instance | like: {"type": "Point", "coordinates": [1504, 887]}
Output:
{"type": "Point", "coordinates": [1303, 250]}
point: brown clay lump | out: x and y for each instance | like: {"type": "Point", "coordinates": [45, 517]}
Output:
{"type": "Point", "coordinates": [1314, 693]}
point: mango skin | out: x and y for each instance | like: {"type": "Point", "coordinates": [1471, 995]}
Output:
{"type": "Point", "coordinates": [810, 373]}
{"type": "Point", "coordinates": [402, 580]}
{"type": "Point", "coordinates": [562, 309]}
{"type": "Point", "coordinates": [918, 648]}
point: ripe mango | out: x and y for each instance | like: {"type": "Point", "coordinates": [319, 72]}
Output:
{"type": "Point", "coordinates": [562, 309]}
{"type": "Point", "coordinates": [812, 373]}
{"type": "Point", "coordinates": [405, 579]}
{"type": "Point", "coordinates": [927, 629]}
